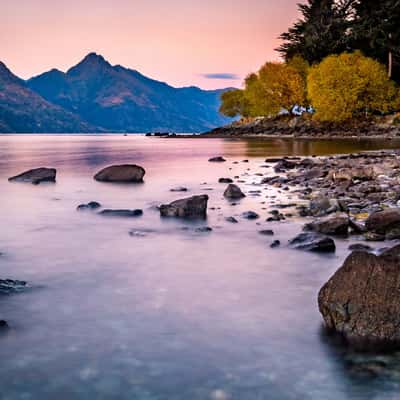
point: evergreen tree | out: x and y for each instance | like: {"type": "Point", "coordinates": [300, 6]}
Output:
{"type": "Point", "coordinates": [376, 32]}
{"type": "Point", "coordinates": [322, 30]}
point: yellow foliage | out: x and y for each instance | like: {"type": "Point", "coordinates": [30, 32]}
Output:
{"type": "Point", "coordinates": [234, 103]}
{"type": "Point", "coordinates": [344, 86]}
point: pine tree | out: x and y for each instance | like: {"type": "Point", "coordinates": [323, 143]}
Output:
{"type": "Point", "coordinates": [321, 31]}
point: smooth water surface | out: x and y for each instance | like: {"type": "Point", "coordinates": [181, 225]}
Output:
{"type": "Point", "coordinates": [165, 313]}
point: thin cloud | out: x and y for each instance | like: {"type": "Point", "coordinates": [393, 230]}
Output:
{"type": "Point", "coordinates": [223, 75]}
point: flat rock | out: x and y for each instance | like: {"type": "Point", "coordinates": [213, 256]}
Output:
{"type": "Point", "coordinates": [36, 176]}
{"type": "Point", "coordinates": [128, 173]}
{"type": "Point", "coordinates": [362, 300]}
{"type": "Point", "coordinates": [314, 242]}
{"type": "Point", "coordinates": [233, 192]}
{"type": "Point", "coordinates": [191, 207]}
{"type": "Point", "coordinates": [121, 213]}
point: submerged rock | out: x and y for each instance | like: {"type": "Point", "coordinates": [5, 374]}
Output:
{"type": "Point", "coordinates": [204, 229]}
{"type": "Point", "coordinates": [234, 192]}
{"type": "Point", "coordinates": [314, 242]}
{"type": "Point", "coordinates": [362, 300]}
{"type": "Point", "coordinates": [360, 247]}
{"type": "Point", "coordinates": [217, 159]}
{"type": "Point", "coordinates": [232, 220]}
{"type": "Point", "coordinates": [93, 205]}
{"type": "Point", "coordinates": [36, 176]}
{"type": "Point", "coordinates": [179, 189]}
{"type": "Point", "coordinates": [191, 207]}
{"type": "Point", "coordinates": [275, 244]}
{"type": "Point", "coordinates": [337, 225]}
{"type": "Point", "coordinates": [267, 232]}
{"type": "Point", "coordinates": [128, 173]}
{"type": "Point", "coordinates": [9, 286]}
{"type": "Point", "coordinates": [250, 215]}
{"type": "Point", "coordinates": [121, 213]}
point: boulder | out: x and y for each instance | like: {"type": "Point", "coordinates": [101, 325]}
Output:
{"type": "Point", "coordinates": [337, 225]}
{"type": "Point", "coordinates": [217, 159]}
{"type": "Point", "coordinates": [383, 221]}
{"type": "Point", "coordinates": [36, 176]}
{"type": "Point", "coordinates": [362, 300]}
{"type": "Point", "coordinates": [128, 173]}
{"type": "Point", "coordinates": [314, 242]}
{"type": "Point", "coordinates": [121, 213]}
{"type": "Point", "coordinates": [233, 192]}
{"type": "Point", "coordinates": [9, 286]}
{"type": "Point", "coordinates": [191, 207]}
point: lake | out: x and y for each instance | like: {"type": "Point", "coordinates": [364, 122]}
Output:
{"type": "Point", "coordinates": [165, 312]}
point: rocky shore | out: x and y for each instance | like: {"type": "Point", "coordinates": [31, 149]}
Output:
{"type": "Point", "coordinates": [303, 128]}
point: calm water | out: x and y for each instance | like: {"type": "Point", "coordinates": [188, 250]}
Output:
{"type": "Point", "coordinates": [173, 314]}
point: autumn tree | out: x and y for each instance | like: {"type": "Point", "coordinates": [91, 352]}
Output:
{"type": "Point", "coordinates": [344, 86]}
{"type": "Point", "coordinates": [234, 103]}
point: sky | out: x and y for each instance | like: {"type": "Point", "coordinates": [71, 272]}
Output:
{"type": "Point", "coordinates": [207, 43]}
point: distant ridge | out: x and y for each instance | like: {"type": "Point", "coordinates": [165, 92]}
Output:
{"type": "Point", "coordinates": [24, 111]}
{"type": "Point", "coordinates": [118, 99]}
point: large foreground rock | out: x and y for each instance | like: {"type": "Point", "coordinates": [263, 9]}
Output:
{"type": "Point", "coordinates": [314, 242]}
{"type": "Point", "coordinates": [362, 300]}
{"type": "Point", "coordinates": [191, 207]}
{"type": "Point", "coordinates": [337, 225]}
{"type": "Point", "coordinates": [128, 173]}
{"type": "Point", "coordinates": [233, 192]}
{"type": "Point", "coordinates": [36, 176]}
{"type": "Point", "coordinates": [383, 221]}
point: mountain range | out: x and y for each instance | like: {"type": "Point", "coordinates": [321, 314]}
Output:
{"type": "Point", "coordinates": [94, 96]}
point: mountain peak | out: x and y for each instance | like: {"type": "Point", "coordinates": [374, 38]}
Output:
{"type": "Point", "coordinates": [6, 74]}
{"type": "Point", "coordinates": [92, 61]}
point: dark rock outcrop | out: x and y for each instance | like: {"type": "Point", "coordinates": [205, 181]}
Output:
{"type": "Point", "coordinates": [314, 242]}
{"type": "Point", "coordinates": [233, 192]}
{"type": "Point", "coordinates": [191, 207]}
{"type": "Point", "coordinates": [362, 300]}
{"type": "Point", "coordinates": [128, 173]}
{"type": "Point", "coordinates": [337, 225]}
{"type": "Point", "coordinates": [121, 213]}
{"type": "Point", "coordinates": [36, 176]}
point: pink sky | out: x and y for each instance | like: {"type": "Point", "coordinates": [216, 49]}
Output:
{"type": "Point", "coordinates": [177, 41]}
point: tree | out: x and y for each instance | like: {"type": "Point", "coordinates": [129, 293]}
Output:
{"type": "Point", "coordinates": [376, 31]}
{"type": "Point", "coordinates": [346, 86]}
{"type": "Point", "coordinates": [234, 103]}
{"type": "Point", "coordinates": [322, 30]}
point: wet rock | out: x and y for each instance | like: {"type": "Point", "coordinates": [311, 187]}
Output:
{"type": "Point", "coordinates": [217, 159]}
{"type": "Point", "coordinates": [383, 221]}
{"type": "Point", "coordinates": [250, 215]}
{"type": "Point", "coordinates": [128, 173]}
{"type": "Point", "coordinates": [179, 189]}
{"type": "Point", "coordinates": [275, 244]}
{"type": "Point", "coordinates": [360, 247]}
{"type": "Point", "coordinates": [266, 232]}
{"type": "Point", "coordinates": [374, 237]}
{"type": "Point", "coordinates": [93, 205]}
{"type": "Point", "coordinates": [9, 286]}
{"type": "Point", "coordinates": [362, 300]}
{"type": "Point", "coordinates": [192, 207]}
{"type": "Point", "coordinates": [225, 180]}
{"type": "Point", "coordinates": [233, 192]}
{"type": "Point", "coordinates": [273, 160]}
{"type": "Point", "coordinates": [322, 206]}
{"type": "Point", "coordinates": [121, 213]}
{"type": "Point", "coordinates": [349, 174]}
{"type": "Point", "coordinates": [284, 165]}
{"type": "Point", "coordinates": [314, 242]}
{"type": "Point", "coordinates": [232, 220]}
{"type": "Point", "coordinates": [337, 225]}
{"type": "Point", "coordinates": [36, 176]}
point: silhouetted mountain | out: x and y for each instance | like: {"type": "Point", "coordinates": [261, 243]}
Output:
{"type": "Point", "coordinates": [23, 110]}
{"type": "Point", "coordinates": [120, 99]}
